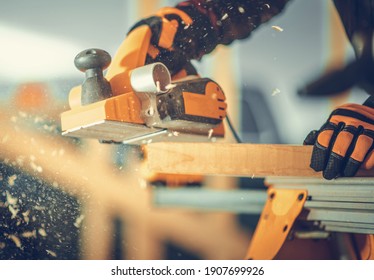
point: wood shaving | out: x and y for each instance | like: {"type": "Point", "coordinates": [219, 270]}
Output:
{"type": "Point", "coordinates": [16, 240]}
{"type": "Point", "coordinates": [2, 245]}
{"type": "Point", "coordinates": [170, 86]}
{"type": "Point", "coordinates": [277, 28]}
{"type": "Point", "coordinates": [79, 221]}
{"type": "Point", "coordinates": [22, 114]}
{"type": "Point", "coordinates": [210, 133]}
{"type": "Point", "coordinates": [38, 120]}
{"type": "Point", "coordinates": [225, 16]}
{"type": "Point", "coordinates": [53, 254]}
{"type": "Point", "coordinates": [20, 160]}
{"type": "Point", "coordinates": [275, 92]}
{"type": "Point", "coordinates": [11, 180]}
{"type": "Point", "coordinates": [26, 216]}
{"type": "Point", "coordinates": [42, 232]}
{"type": "Point", "coordinates": [142, 183]}
{"type": "Point", "coordinates": [13, 211]}
{"type": "Point", "coordinates": [39, 208]}
{"type": "Point", "coordinates": [29, 234]}
{"type": "Point", "coordinates": [241, 10]}
{"type": "Point", "coordinates": [36, 168]}
{"type": "Point", "coordinates": [10, 199]}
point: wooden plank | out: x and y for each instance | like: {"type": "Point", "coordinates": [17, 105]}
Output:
{"type": "Point", "coordinates": [258, 160]}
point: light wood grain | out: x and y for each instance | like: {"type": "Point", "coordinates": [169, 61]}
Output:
{"type": "Point", "coordinates": [259, 160]}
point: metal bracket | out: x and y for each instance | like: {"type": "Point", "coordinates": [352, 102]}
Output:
{"type": "Point", "coordinates": [282, 208]}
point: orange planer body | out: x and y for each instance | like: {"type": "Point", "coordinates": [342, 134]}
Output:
{"type": "Point", "coordinates": [136, 103]}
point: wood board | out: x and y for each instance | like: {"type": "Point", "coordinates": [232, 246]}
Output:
{"type": "Point", "coordinates": [248, 160]}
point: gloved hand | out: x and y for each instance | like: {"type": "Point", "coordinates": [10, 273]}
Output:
{"type": "Point", "coordinates": [344, 143]}
{"type": "Point", "coordinates": [173, 40]}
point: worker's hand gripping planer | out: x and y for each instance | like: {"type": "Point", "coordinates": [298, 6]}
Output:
{"type": "Point", "coordinates": [136, 103]}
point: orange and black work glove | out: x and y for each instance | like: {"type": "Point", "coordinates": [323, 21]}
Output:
{"type": "Point", "coordinates": [345, 142]}
{"type": "Point", "coordinates": [173, 40]}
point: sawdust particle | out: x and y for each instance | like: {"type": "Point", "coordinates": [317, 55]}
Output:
{"type": "Point", "coordinates": [10, 199]}
{"type": "Point", "coordinates": [39, 208]}
{"type": "Point", "coordinates": [11, 179]}
{"type": "Point", "coordinates": [42, 232]}
{"type": "Point", "coordinates": [210, 133]}
{"type": "Point", "coordinates": [79, 221]}
{"type": "Point", "coordinates": [16, 240]}
{"type": "Point", "coordinates": [29, 234]}
{"type": "Point", "coordinates": [13, 211]}
{"type": "Point", "coordinates": [277, 28]}
{"type": "Point", "coordinates": [275, 92]}
{"type": "Point", "coordinates": [26, 216]}
{"type": "Point", "coordinates": [143, 183]}
{"type": "Point", "coordinates": [22, 114]}
{"type": "Point", "coordinates": [53, 254]}
{"type": "Point", "coordinates": [170, 86]}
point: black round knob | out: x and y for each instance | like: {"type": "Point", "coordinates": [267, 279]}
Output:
{"type": "Point", "coordinates": [95, 87]}
{"type": "Point", "coordinates": [91, 59]}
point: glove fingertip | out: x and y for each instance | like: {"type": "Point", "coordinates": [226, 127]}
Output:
{"type": "Point", "coordinates": [318, 160]}
{"type": "Point", "coordinates": [333, 167]}
{"type": "Point", "coordinates": [311, 138]}
{"type": "Point", "coordinates": [351, 168]}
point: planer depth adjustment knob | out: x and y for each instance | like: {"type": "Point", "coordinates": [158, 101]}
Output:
{"type": "Point", "coordinates": [95, 87]}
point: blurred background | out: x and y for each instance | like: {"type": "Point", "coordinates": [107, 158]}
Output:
{"type": "Point", "coordinates": [74, 199]}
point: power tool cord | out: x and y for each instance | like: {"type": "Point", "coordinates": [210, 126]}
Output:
{"type": "Point", "coordinates": [233, 130]}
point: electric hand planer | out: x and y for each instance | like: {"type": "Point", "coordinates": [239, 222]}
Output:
{"type": "Point", "coordinates": [137, 103]}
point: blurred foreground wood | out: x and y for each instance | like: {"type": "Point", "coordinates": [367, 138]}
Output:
{"type": "Point", "coordinates": [105, 192]}
{"type": "Point", "coordinates": [259, 160]}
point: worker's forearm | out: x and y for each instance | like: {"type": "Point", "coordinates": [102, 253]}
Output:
{"type": "Point", "coordinates": [223, 21]}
